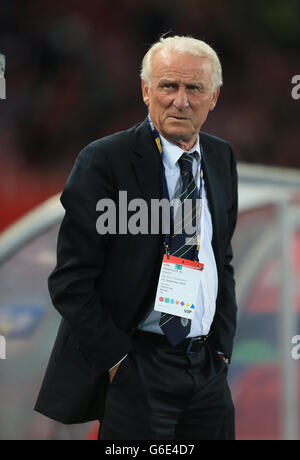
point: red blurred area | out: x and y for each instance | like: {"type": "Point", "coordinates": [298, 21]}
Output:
{"type": "Point", "coordinates": [21, 191]}
{"type": "Point", "coordinates": [265, 297]}
{"type": "Point", "coordinates": [258, 403]}
{"type": "Point", "coordinates": [93, 434]}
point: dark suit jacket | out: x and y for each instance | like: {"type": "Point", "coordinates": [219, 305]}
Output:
{"type": "Point", "coordinates": [103, 286]}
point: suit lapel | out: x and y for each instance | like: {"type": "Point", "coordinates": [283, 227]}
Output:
{"type": "Point", "coordinates": [147, 164]}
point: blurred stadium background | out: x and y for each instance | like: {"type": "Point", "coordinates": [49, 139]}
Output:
{"type": "Point", "coordinates": [72, 77]}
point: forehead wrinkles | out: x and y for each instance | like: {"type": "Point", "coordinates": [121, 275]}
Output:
{"type": "Point", "coordinates": [180, 67]}
{"type": "Point", "coordinates": [177, 75]}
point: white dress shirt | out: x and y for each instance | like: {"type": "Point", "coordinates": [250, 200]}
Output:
{"type": "Point", "coordinates": [207, 293]}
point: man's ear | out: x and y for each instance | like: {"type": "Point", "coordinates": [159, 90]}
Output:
{"type": "Point", "coordinates": [145, 91]}
{"type": "Point", "coordinates": [214, 99]}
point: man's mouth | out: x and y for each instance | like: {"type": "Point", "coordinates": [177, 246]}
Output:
{"type": "Point", "coordinates": [177, 118]}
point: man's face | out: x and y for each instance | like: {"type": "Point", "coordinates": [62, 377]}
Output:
{"type": "Point", "coordinates": [180, 95]}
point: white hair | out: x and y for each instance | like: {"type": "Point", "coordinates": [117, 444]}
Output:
{"type": "Point", "coordinates": [182, 44]}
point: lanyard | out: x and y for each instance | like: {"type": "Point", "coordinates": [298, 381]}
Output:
{"type": "Point", "coordinates": [158, 142]}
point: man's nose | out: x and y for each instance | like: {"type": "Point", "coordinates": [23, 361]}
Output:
{"type": "Point", "coordinates": [181, 100]}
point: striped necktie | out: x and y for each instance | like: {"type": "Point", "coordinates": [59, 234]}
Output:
{"type": "Point", "coordinates": [176, 328]}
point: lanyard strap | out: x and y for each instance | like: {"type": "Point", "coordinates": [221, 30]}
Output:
{"type": "Point", "coordinates": [158, 142]}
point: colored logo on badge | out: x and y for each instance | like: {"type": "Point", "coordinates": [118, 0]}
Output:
{"type": "Point", "coordinates": [176, 302]}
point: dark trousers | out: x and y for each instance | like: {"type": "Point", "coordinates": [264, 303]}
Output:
{"type": "Point", "coordinates": [161, 392]}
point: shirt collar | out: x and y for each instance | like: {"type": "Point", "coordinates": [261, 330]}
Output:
{"type": "Point", "coordinates": [172, 152]}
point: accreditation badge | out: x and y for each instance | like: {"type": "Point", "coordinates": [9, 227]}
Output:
{"type": "Point", "coordinates": [178, 286]}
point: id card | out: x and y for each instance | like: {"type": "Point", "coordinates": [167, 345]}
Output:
{"type": "Point", "coordinates": [178, 286]}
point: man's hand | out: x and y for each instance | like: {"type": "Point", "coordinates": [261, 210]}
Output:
{"type": "Point", "coordinates": [224, 358]}
{"type": "Point", "coordinates": [113, 371]}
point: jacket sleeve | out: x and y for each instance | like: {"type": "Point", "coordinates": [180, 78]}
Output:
{"type": "Point", "coordinates": [224, 325]}
{"type": "Point", "coordinates": [81, 253]}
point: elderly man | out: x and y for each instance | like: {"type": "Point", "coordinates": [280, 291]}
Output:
{"type": "Point", "coordinates": [149, 318]}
